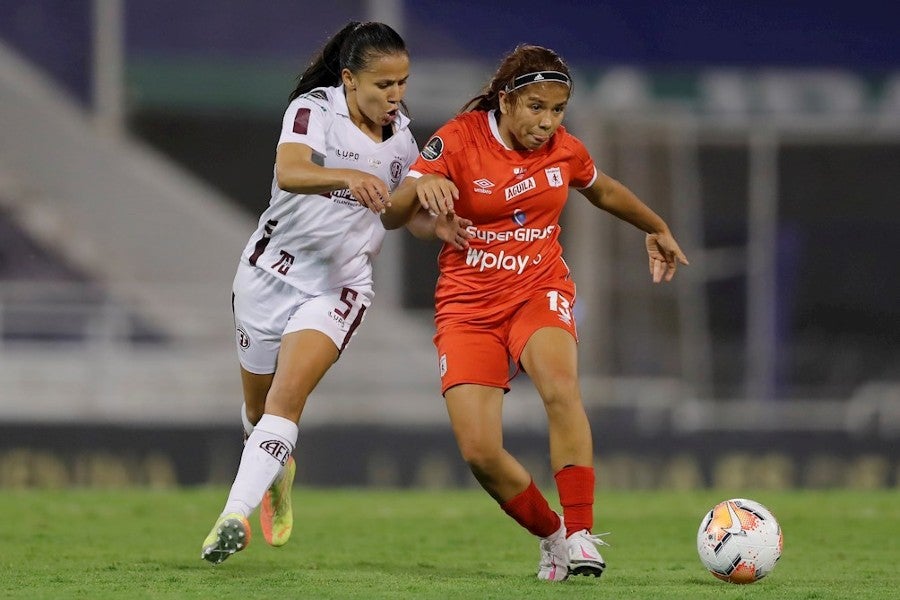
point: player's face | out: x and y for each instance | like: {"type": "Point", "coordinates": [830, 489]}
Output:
{"type": "Point", "coordinates": [380, 87]}
{"type": "Point", "coordinates": [528, 122]}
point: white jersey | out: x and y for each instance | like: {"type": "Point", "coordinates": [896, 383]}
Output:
{"type": "Point", "coordinates": [322, 242]}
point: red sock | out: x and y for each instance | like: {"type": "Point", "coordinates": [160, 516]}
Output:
{"type": "Point", "coordinates": [576, 495]}
{"type": "Point", "coordinates": [531, 511]}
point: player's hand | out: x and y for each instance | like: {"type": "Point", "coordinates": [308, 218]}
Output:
{"type": "Point", "coordinates": [664, 255]}
{"type": "Point", "coordinates": [369, 191]}
{"type": "Point", "coordinates": [436, 194]}
{"type": "Point", "coordinates": [452, 230]}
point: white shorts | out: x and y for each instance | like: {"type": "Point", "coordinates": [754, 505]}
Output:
{"type": "Point", "coordinates": [266, 308]}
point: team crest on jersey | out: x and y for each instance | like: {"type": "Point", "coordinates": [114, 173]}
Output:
{"type": "Point", "coordinates": [396, 170]}
{"type": "Point", "coordinates": [554, 176]}
{"type": "Point", "coordinates": [519, 188]}
{"type": "Point", "coordinates": [433, 149]}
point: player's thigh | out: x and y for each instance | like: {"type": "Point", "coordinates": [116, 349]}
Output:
{"type": "Point", "coordinates": [262, 305]}
{"type": "Point", "coordinates": [305, 357]}
{"type": "Point", "coordinates": [543, 339]}
{"type": "Point", "coordinates": [468, 355]}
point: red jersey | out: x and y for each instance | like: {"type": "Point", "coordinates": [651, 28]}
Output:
{"type": "Point", "coordinates": [514, 199]}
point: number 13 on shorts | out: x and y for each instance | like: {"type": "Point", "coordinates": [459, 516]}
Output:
{"type": "Point", "coordinates": [560, 305]}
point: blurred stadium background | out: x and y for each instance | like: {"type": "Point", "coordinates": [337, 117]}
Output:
{"type": "Point", "coordinates": [136, 153]}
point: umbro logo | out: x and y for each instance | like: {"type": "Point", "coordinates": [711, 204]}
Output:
{"type": "Point", "coordinates": [483, 186]}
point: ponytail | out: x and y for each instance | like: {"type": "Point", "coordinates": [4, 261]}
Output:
{"type": "Point", "coordinates": [350, 48]}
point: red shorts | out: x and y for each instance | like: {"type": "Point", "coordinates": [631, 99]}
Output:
{"type": "Point", "coordinates": [479, 351]}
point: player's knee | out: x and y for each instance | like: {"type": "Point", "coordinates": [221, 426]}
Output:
{"type": "Point", "coordinates": [480, 455]}
{"type": "Point", "coordinates": [560, 392]}
{"type": "Point", "coordinates": [286, 399]}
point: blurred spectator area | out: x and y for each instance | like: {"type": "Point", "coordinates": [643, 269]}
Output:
{"type": "Point", "coordinates": [44, 298]}
{"type": "Point", "coordinates": [767, 134]}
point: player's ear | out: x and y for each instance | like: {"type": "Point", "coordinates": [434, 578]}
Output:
{"type": "Point", "coordinates": [503, 100]}
{"type": "Point", "coordinates": [348, 79]}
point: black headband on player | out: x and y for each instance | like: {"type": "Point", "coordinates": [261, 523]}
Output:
{"type": "Point", "coordinates": [537, 77]}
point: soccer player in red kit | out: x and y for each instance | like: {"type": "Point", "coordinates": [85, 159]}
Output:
{"type": "Point", "coordinates": [503, 168]}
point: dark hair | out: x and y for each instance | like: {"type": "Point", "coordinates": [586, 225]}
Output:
{"type": "Point", "coordinates": [525, 58]}
{"type": "Point", "coordinates": [353, 47]}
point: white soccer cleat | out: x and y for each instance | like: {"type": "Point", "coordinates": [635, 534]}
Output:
{"type": "Point", "coordinates": [554, 565]}
{"type": "Point", "coordinates": [584, 558]}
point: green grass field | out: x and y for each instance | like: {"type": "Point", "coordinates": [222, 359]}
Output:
{"type": "Point", "coordinates": [416, 544]}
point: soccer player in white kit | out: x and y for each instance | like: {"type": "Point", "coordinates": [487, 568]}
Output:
{"type": "Point", "coordinates": [304, 280]}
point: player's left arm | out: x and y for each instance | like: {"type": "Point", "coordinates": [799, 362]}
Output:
{"type": "Point", "coordinates": [663, 251]}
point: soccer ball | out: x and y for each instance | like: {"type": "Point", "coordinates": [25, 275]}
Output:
{"type": "Point", "coordinates": [739, 541]}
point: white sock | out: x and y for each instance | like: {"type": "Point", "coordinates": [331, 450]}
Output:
{"type": "Point", "coordinates": [265, 453]}
{"type": "Point", "coordinates": [248, 426]}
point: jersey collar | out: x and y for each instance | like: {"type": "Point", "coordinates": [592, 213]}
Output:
{"type": "Point", "coordinates": [495, 129]}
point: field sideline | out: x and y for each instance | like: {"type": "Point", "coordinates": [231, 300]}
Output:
{"type": "Point", "coordinates": [418, 544]}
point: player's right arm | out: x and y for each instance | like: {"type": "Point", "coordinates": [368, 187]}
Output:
{"type": "Point", "coordinates": [406, 208]}
{"type": "Point", "coordinates": [419, 192]}
{"type": "Point", "coordinates": [298, 170]}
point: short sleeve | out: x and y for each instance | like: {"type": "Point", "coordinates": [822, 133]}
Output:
{"type": "Point", "coordinates": [304, 122]}
{"type": "Point", "coordinates": [434, 159]}
{"type": "Point", "coordinates": [583, 170]}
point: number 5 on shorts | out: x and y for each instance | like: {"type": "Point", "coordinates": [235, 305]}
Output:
{"type": "Point", "coordinates": [347, 297]}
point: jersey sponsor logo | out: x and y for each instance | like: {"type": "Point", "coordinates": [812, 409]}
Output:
{"type": "Point", "coordinates": [530, 234]}
{"type": "Point", "coordinates": [483, 186]}
{"type": "Point", "coordinates": [277, 449]}
{"type": "Point", "coordinates": [554, 176]}
{"type": "Point", "coordinates": [433, 149]}
{"type": "Point", "coordinates": [501, 261]}
{"type": "Point", "coordinates": [343, 197]}
{"type": "Point", "coordinates": [243, 340]}
{"type": "Point", "coordinates": [520, 188]}
{"type": "Point", "coordinates": [346, 154]}
{"type": "Point", "coordinates": [519, 172]}
{"type": "Point", "coordinates": [518, 217]}
{"type": "Point", "coordinates": [301, 121]}
{"type": "Point", "coordinates": [443, 364]}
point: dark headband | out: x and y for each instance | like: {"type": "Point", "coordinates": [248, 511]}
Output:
{"type": "Point", "coordinates": [538, 77]}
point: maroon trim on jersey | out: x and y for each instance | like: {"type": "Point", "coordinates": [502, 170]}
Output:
{"type": "Point", "coordinates": [301, 121]}
{"type": "Point", "coordinates": [356, 322]}
{"type": "Point", "coordinates": [262, 242]}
